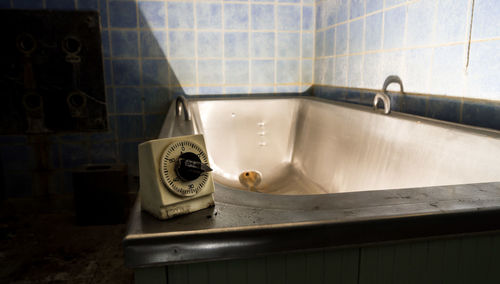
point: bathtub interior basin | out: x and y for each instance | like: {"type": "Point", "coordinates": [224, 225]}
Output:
{"type": "Point", "coordinates": [302, 146]}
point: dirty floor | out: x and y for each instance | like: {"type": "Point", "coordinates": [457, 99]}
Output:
{"type": "Point", "coordinates": [47, 247]}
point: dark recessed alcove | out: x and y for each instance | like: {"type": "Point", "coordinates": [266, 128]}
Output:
{"type": "Point", "coordinates": [51, 72]}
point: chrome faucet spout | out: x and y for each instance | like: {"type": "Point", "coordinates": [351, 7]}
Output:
{"type": "Point", "coordinates": [181, 104]}
{"type": "Point", "coordinates": [386, 99]}
{"type": "Point", "coordinates": [384, 96]}
{"type": "Point", "coordinates": [392, 79]}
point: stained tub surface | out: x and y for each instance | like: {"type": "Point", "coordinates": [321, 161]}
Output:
{"type": "Point", "coordinates": [333, 175]}
{"type": "Point", "coordinates": [305, 146]}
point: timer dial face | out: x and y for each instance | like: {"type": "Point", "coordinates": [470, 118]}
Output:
{"type": "Point", "coordinates": [168, 173]}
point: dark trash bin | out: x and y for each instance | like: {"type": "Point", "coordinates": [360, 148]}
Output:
{"type": "Point", "coordinates": [100, 194]}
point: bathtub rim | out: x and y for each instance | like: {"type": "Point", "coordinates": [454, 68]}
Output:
{"type": "Point", "coordinates": [353, 106]}
{"type": "Point", "coordinates": [436, 212]}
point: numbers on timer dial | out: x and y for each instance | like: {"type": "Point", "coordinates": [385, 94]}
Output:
{"type": "Point", "coordinates": [169, 176]}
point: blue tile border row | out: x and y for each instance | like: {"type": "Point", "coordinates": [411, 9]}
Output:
{"type": "Point", "coordinates": [458, 110]}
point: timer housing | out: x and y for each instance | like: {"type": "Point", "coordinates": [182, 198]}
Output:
{"type": "Point", "coordinates": [162, 192]}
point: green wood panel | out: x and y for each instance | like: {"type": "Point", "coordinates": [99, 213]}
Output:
{"type": "Point", "coordinates": [315, 267]}
{"type": "Point", "coordinates": [237, 271]}
{"type": "Point", "coordinates": [402, 263]}
{"type": "Point", "coordinates": [435, 261]}
{"type": "Point", "coordinates": [418, 260]}
{"type": "Point", "coordinates": [494, 269]}
{"type": "Point", "coordinates": [198, 273]}
{"type": "Point", "coordinates": [484, 256]}
{"type": "Point", "coordinates": [368, 265]}
{"type": "Point", "coordinates": [150, 275]}
{"type": "Point", "coordinates": [332, 263]}
{"type": "Point", "coordinates": [256, 270]}
{"type": "Point", "coordinates": [349, 266]}
{"type": "Point", "coordinates": [451, 258]}
{"type": "Point", "coordinates": [296, 269]}
{"type": "Point", "coordinates": [178, 274]}
{"type": "Point", "coordinates": [471, 259]}
{"type": "Point", "coordinates": [276, 269]}
{"type": "Point", "coordinates": [385, 264]}
{"type": "Point", "coordinates": [217, 272]}
{"type": "Point", "coordinates": [466, 261]}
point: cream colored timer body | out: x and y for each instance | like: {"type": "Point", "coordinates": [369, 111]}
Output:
{"type": "Point", "coordinates": [174, 176]}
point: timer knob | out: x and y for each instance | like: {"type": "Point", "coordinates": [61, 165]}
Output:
{"type": "Point", "coordinates": [189, 167]}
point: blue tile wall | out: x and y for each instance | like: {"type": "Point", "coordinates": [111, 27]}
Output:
{"type": "Point", "coordinates": [208, 15]}
{"type": "Point", "coordinates": [210, 72]}
{"type": "Point", "coordinates": [128, 100]}
{"type": "Point", "coordinates": [152, 15]}
{"type": "Point", "coordinates": [73, 155]}
{"type": "Point", "coordinates": [5, 4]}
{"type": "Point", "coordinates": [356, 42]}
{"type": "Point", "coordinates": [88, 4]}
{"type": "Point", "coordinates": [357, 9]}
{"type": "Point", "coordinates": [262, 44]}
{"type": "Point", "coordinates": [103, 153]}
{"type": "Point", "coordinates": [59, 5]}
{"type": "Point", "coordinates": [180, 15]}
{"type": "Point", "coordinates": [394, 27]}
{"type": "Point", "coordinates": [289, 18]}
{"type": "Point", "coordinates": [288, 71]}
{"type": "Point", "coordinates": [486, 23]}
{"type": "Point", "coordinates": [262, 72]}
{"type": "Point", "coordinates": [425, 42]}
{"type": "Point", "coordinates": [235, 44]}
{"type": "Point", "coordinates": [124, 44]}
{"type": "Point", "coordinates": [237, 72]}
{"type": "Point", "coordinates": [191, 34]}
{"type": "Point", "coordinates": [262, 17]}
{"type": "Point", "coordinates": [155, 72]}
{"type": "Point", "coordinates": [458, 110]}
{"type": "Point", "coordinates": [452, 24]}
{"type": "Point", "coordinates": [122, 14]}
{"type": "Point", "coordinates": [159, 49]}
{"type": "Point", "coordinates": [209, 44]}
{"type": "Point", "coordinates": [288, 45]}
{"type": "Point", "coordinates": [236, 16]}
{"type": "Point", "coordinates": [341, 39]}
{"type": "Point", "coordinates": [374, 5]}
{"type": "Point", "coordinates": [155, 50]}
{"type": "Point", "coordinates": [373, 27]}
{"type": "Point", "coordinates": [181, 44]}
{"type": "Point", "coordinates": [156, 100]}
{"type": "Point", "coordinates": [126, 72]}
{"type": "Point", "coordinates": [27, 4]}
{"type": "Point", "coordinates": [420, 23]}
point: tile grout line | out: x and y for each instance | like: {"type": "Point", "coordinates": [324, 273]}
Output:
{"type": "Point", "coordinates": [112, 75]}
{"type": "Point", "coordinates": [314, 34]}
{"type": "Point", "coordinates": [170, 71]}
{"type": "Point", "coordinates": [403, 52]}
{"type": "Point", "coordinates": [275, 11]}
{"type": "Point", "coordinates": [383, 10]}
{"type": "Point", "coordinates": [223, 39]}
{"type": "Point", "coordinates": [196, 60]}
{"type": "Point", "coordinates": [433, 50]}
{"type": "Point", "coordinates": [139, 61]}
{"type": "Point", "coordinates": [363, 41]}
{"type": "Point", "coordinates": [300, 47]}
{"type": "Point", "coordinates": [250, 45]}
{"type": "Point", "coordinates": [346, 82]}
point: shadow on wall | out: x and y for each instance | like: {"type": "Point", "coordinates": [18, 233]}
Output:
{"type": "Point", "coordinates": [140, 84]}
{"type": "Point", "coordinates": [143, 88]}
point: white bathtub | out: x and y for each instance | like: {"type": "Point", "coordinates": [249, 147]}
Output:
{"type": "Point", "coordinates": [310, 146]}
